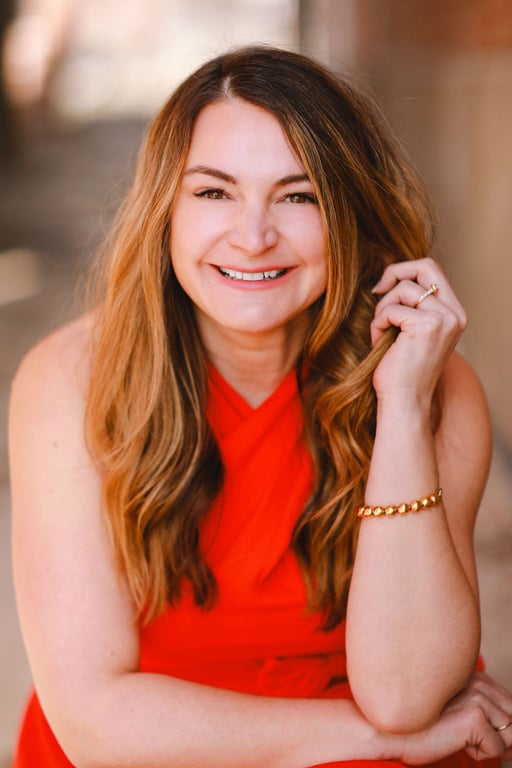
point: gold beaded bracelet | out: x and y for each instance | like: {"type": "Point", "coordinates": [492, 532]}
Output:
{"type": "Point", "coordinates": [400, 509]}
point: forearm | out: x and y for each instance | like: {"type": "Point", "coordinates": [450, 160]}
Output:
{"type": "Point", "coordinates": [154, 721]}
{"type": "Point", "coordinates": [412, 624]}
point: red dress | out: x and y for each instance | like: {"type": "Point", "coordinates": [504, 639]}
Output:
{"type": "Point", "coordinates": [258, 638]}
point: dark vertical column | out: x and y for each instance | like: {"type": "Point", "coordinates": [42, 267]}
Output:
{"type": "Point", "coordinates": [7, 12]}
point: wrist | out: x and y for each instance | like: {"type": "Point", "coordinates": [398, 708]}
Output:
{"type": "Point", "coordinates": [408, 402]}
{"type": "Point", "coordinates": [403, 466]}
{"type": "Point", "coordinates": [387, 746]}
{"type": "Point", "coordinates": [404, 417]}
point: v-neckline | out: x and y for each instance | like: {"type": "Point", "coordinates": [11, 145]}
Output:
{"type": "Point", "coordinates": [228, 411]}
{"type": "Point", "coordinates": [232, 395]}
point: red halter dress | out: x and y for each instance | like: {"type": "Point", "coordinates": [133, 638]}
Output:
{"type": "Point", "coordinates": [258, 639]}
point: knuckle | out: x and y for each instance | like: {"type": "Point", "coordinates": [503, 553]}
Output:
{"type": "Point", "coordinates": [477, 682]}
{"type": "Point", "coordinates": [477, 718]}
{"type": "Point", "coordinates": [452, 322]}
{"type": "Point", "coordinates": [433, 322]}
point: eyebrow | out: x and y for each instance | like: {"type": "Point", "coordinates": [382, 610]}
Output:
{"type": "Point", "coordinates": [215, 172]}
{"type": "Point", "coordinates": [227, 177]}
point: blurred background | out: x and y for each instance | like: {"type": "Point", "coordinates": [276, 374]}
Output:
{"type": "Point", "coordinates": [78, 83]}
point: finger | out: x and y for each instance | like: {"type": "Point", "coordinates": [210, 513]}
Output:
{"type": "Point", "coordinates": [428, 295]}
{"type": "Point", "coordinates": [424, 273]}
{"type": "Point", "coordinates": [484, 741]}
{"type": "Point", "coordinates": [410, 294]}
{"type": "Point", "coordinates": [482, 678]}
{"type": "Point", "coordinates": [482, 697]}
{"type": "Point", "coordinates": [500, 720]}
{"type": "Point", "coordinates": [493, 691]}
{"type": "Point", "coordinates": [407, 319]}
{"type": "Point", "coordinates": [486, 749]}
{"type": "Point", "coordinates": [405, 292]}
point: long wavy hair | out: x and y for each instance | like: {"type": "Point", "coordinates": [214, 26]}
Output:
{"type": "Point", "coordinates": [145, 421]}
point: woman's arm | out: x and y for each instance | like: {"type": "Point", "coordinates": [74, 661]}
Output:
{"type": "Point", "coordinates": [77, 616]}
{"type": "Point", "coordinates": [77, 620]}
{"type": "Point", "coordinates": [413, 620]}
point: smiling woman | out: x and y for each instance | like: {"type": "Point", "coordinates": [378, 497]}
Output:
{"type": "Point", "coordinates": [259, 229]}
{"type": "Point", "coordinates": [267, 356]}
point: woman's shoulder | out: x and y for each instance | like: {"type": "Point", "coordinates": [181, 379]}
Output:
{"type": "Point", "coordinates": [461, 391]}
{"type": "Point", "coordinates": [47, 445]}
{"type": "Point", "coordinates": [464, 436]}
{"type": "Point", "coordinates": [55, 372]}
{"type": "Point", "coordinates": [60, 352]}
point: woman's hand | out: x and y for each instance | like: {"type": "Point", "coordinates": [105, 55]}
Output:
{"type": "Point", "coordinates": [478, 720]}
{"type": "Point", "coordinates": [429, 328]}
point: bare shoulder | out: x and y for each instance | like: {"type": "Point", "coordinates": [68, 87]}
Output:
{"type": "Point", "coordinates": [62, 357]}
{"type": "Point", "coordinates": [464, 409]}
{"type": "Point", "coordinates": [46, 413]}
{"type": "Point", "coordinates": [53, 377]}
{"type": "Point", "coordinates": [463, 444]}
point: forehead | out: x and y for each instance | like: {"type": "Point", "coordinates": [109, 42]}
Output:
{"type": "Point", "coordinates": [236, 132]}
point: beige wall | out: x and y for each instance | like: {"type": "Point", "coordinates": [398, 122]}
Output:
{"type": "Point", "coordinates": [444, 73]}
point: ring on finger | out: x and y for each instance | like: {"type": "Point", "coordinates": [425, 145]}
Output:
{"type": "Point", "coordinates": [431, 291]}
{"type": "Point", "coordinates": [504, 727]}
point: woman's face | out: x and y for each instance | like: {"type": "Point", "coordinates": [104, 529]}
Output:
{"type": "Point", "coordinates": [247, 241]}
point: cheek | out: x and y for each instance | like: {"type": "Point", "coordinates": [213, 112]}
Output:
{"type": "Point", "coordinates": [321, 282]}
{"type": "Point", "coordinates": [178, 255]}
{"type": "Point", "coordinates": [320, 262]}
{"type": "Point", "coordinates": [317, 248]}
{"type": "Point", "coordinates": [322, 251]}
{"type": "Point", "coordinates": [194, 231]}
{"type": "Point", "coordinates": [180, 241]}
{"type": "Point", "coordinates": [310, 236]}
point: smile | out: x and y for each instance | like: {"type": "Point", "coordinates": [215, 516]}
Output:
{"type": "Point", "coordinates": [233, 274]}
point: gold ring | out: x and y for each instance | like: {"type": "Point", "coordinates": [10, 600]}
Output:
{"type": "Point", "coordinates": [431, 291]}
{"type": "Point", "coordinates": [504, 727]}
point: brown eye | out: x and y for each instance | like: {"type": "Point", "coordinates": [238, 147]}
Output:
{"type": "Point", "coordinates": [212, 194]}
{"type": "Point", "coordinates": [300, 197]}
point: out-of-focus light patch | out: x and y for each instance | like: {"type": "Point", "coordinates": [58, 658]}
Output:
{"type": "Point", "coordinates": [124, 57]}
{"type": "Point", "coordinates": [20, 274]}
{"type": "Point", "coordinates": [84, 86]}
{"type": "Point", "coordinates": [95, 59]}
{"type": "Point", "coordinates": [28, 51]}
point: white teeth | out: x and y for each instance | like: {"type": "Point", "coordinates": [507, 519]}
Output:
{"type": "Point", "coordinates": [270, 274]}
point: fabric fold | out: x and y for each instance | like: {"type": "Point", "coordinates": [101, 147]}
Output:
{"type": "Point", "coordinates": [301, 676]}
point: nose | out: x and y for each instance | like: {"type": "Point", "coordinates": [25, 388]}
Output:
{"type": "Point", "coordinates": [253, 230]}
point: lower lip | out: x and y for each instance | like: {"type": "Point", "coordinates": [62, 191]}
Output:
{"type": "Point", "coordinates": [253, 285]}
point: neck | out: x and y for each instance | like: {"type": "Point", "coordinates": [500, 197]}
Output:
{"type": "Point", "coordinates": [254, 365]}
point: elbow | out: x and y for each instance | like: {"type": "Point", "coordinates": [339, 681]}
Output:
{"type": "Point", "coordinates": [85, 756]}
{"type": "Point", "coordinates": [399, 713]}
{"type": "Point", "coordinates": [400, 705]}
{"type": "Point", "coordinates": [84, 741]}
{"type": "Point", "coordinates": [88, 748]}
{"type": "Point", "coordinates": [404, 701]}
{"type": "Point", "coordinates": [85, 752]}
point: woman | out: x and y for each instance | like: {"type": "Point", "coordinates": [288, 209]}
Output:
{"type": "Point", "coordinates": [273, 349]}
